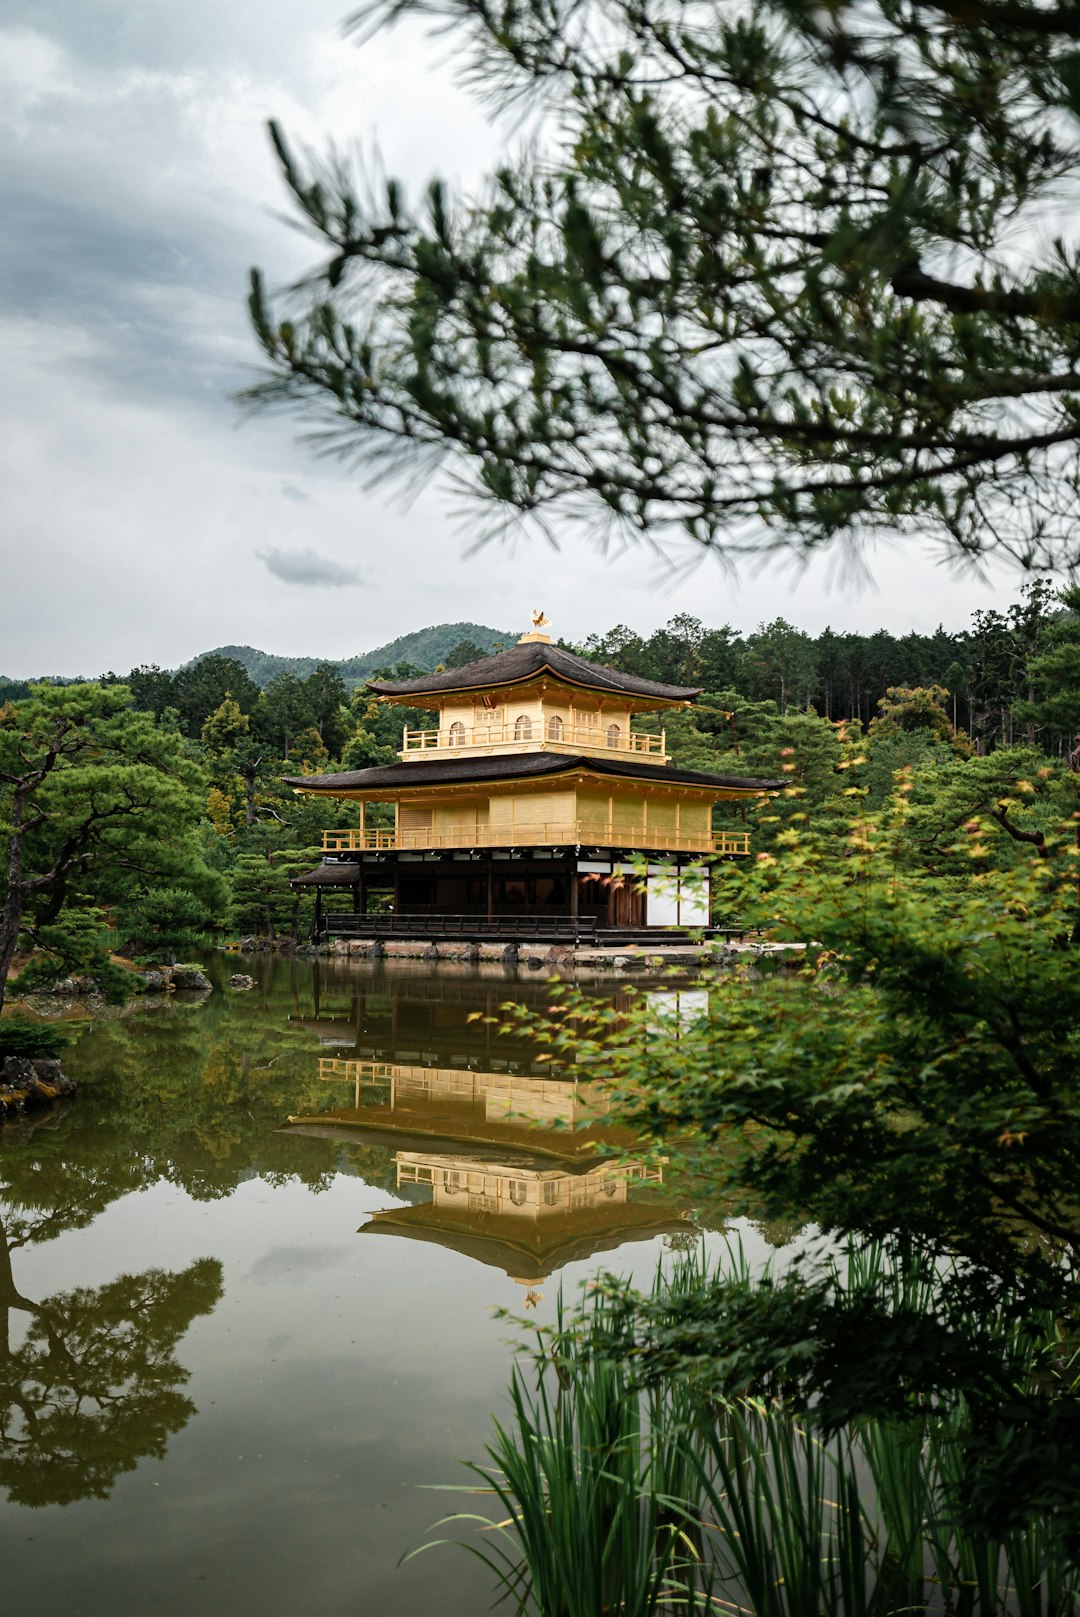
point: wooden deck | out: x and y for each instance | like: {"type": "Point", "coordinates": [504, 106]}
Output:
{"type": "Point", "coordinates": [467, 928]}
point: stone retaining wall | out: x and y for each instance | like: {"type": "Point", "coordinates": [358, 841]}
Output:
{"type": "Point", "coordinates": [553, 956]}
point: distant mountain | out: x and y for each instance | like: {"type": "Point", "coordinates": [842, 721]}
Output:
{"type": "Point", "coordinates": [425, 648]}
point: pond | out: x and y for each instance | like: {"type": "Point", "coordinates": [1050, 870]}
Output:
{"type": "Point", "coordinates": [239, 1348]}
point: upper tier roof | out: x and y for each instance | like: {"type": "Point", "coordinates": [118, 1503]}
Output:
{"type": "Point", "coordinates": [514, 766]}
{"type": "Point", "coordinates": [526, 662]}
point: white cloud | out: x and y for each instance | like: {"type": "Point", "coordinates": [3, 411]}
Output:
{"type": "Point", "coordinates": [33, 69]}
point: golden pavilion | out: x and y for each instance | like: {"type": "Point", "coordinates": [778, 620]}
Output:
{"type": "Point", "coordinates": [519, 812]}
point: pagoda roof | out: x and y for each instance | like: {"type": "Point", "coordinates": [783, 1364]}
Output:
{"type": "Point", "coordinates": [522, 663]}
{"type": "Point", "coordinates": [522, 1251]}
{"type": "Point", "coordinates": [337, 874]}
{"type": "Point", "coordinates": [427, 1130]}
{"type": "Point", "coordinates": [516, 766]}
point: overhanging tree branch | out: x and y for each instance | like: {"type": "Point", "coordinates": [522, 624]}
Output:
{"type": "Point", "coordinates": [721, 309]}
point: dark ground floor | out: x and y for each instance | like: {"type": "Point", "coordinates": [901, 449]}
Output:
{"type": "Point", "coordinates": [606, 892]}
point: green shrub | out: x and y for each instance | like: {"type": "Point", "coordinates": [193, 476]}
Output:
{"type": "Point", "coordinates": [114, 983]}
{"type": "Point", "coordinates": [165, 917]}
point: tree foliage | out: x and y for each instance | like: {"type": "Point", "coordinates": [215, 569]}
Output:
{"type": "Point", "coordinates": [1051, 703]}
{"type": "Point", "coordinates": [771, 277]}
{"type": "Point", "coordinates": [983, 669]}
{"type": "Point", "coordinates": [918, 1075]}
{"type": "Point", "coordinates": [97, 805]}
{"type": "Point", "coordinates": [910, 1082]}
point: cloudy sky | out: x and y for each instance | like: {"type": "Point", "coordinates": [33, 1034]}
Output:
{"type": "Point", "coordinates": [143, 518]}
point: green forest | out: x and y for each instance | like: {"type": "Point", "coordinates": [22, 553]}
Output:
{"type": "Point", "coordinates": [145, 811]}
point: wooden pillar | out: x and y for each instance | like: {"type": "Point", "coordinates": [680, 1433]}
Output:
{"type": "Point", "coordinates": [397, 904]}
{"type": "Point", "coordinates": [490, 887]}
{"type": "Point", "coordinates": [317, 923]}
{"type": "Point", "coordinates": [572, 877]}
{"type": "Point", "coordinates": [360, 895]}
{"type": "Point", "coordinates": [637, 908]}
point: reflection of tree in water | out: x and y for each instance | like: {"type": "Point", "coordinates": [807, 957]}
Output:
{"type": "Point", "coordinates": [189, 1094]}
{"type": "Point", "coordinates": [199, 1093]}
{"type": "Point", "coordinates": [95, 1387]}
{"type": "Point", "coordinates": [89, 1384]}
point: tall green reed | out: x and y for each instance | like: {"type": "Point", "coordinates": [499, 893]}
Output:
{"type": "Point", "coordinates": [596, 1486]}
{"type": "Point", "coordinates": [641, 1497]}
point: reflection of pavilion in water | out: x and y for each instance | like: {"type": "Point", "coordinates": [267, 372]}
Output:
{"type": "Point", "coordinates": [449, 1019]}
{"type": "Point", "coordinates": [523, 1173]}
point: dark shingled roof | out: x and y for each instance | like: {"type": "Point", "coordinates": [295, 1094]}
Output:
{"type": "Point", "coordinates": [522, 663]}
{"type": "Point", "coordinates": [336, 875]}
{"type": "Point", "coordinates": [514, 766]}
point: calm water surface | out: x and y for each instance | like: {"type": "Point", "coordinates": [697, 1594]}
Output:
{"type": "Point", "coordinates": [238, 1347]}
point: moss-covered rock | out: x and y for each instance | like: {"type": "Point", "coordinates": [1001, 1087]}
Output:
{"type": "Point", "coordinates": [27, 1082]}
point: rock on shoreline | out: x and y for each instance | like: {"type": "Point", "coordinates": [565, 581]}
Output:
{"type": "Point", "coordinates": [28, 1082]}
{"type": "Point", "coordinates": [184, 979]}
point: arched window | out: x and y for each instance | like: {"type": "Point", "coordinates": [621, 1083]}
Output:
{"type": "Point", "coordinates": [613, 734]}
{"type": "Point", "coordinates": [457, 734]}
{"type": "Point", "coordinates": [523, 728]}
{"type": "Point", "coordinates": [551, 1192]}
{"type": "Point", "coordinates": [519, 1191]}
{"type": "Point", "coordinates": [555, 728]}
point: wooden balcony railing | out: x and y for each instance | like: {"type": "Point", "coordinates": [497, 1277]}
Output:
{"type": "Point", "coordinates": [492, 1181]}
{"type": "Point", "coordinates": [547, 729]}
{"type": "Point", "coordinates": [731, 842]}
{"type": "Point", "coordinates": [563, 833]}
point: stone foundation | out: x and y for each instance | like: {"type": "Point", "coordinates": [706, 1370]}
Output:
{"type": "Point", "coordinates": [537, 956]}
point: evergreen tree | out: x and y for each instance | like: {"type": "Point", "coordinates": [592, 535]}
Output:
{"type": "Point", "coordinates": [225, 727]}
{"type": "Point", "coordinates": [781, 665]}
{"type": "Point", "coordinates": [1051, 703]}
{"type": "Point", "coordinates": [905, 709]}
{"type": "Point", "coordinates": [97, 804]}
{"type": "Point", "coordinates": [199, 690]}
{"type": "Point", "coordinates": [283, 712]}
{"type": "Point", "coordinates": [466, 651]}
{"type": "Point", "coordinates": [152, 688]}
{"type": "Point", "coordinates": [327, 695]}
{"type": "Point", "coordinates": [263, 901]}
{"type": "Point", "coordinates": [778, 277]}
